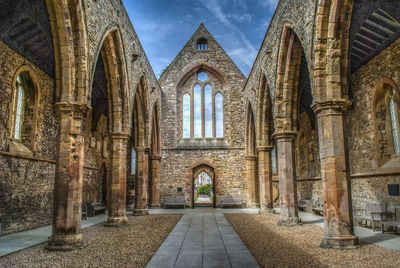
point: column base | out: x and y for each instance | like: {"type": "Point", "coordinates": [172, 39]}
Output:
{"type": "Point", "coordinates": [155, 206]}
{"type": "Point", "coordinates": [116, 221]}
{"type": "Point", "coordinates": [289, 222]}
{"type": "Point", "coordinates": [65, 242]}
{"type": "Point", "coordinates": [342, 242]}
{"type": "Point", "coordinates": [267, 210]}
{"type": "Point", "coordinates": [140, 212]}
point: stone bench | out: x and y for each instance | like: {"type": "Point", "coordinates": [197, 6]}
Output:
{"type": "Point", "coordinates": [231, 201]}
{"type": "Point", "coordinates": [95, 208]}
{"type": "Point", "coordinates": [372, 213]}
{"type": "Point", "coordinates": [395, 222]}
{"type": "Point", "coordinates": [318, 208]}
{"type": "Point", "coordinates": [303, 204]}
{"type": "Point", "coordinates": [174, 201]}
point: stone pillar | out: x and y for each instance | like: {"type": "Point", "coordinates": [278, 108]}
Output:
{"type": "Point", "coordinates": [265, 175]}
{"type": "Point", "coordinates": [287, 179]}
{"type": "Point", "coordinates": [338, 218]}
{"type": "Point", "coordinates": [117, 182]}
{"type": "Point", "coordinates": [141, 182]}
{"type": "Point", "coordinates": [155, 181]}
{"type": "Point", "coordinates": [67, 203]}
{"type": "Point", "coordinates": [251, 181]}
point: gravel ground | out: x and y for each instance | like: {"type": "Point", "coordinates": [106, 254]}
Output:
{"type": "Point", "coordinates": [276, 246]}
{"type": "Point", "coordinates": [132, 245]}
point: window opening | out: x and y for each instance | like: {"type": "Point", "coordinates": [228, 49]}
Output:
{"type": "Point", "coordinates": [219, 116]}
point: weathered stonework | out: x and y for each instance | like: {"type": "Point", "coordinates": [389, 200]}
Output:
{"type": "Point", "coordinates": [26, 182]}
{"type": "Point", "coordinates": [179, 154]}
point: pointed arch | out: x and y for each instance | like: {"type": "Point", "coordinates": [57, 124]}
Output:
{"type": "Point", "coordinates": [155, 157]}
{"type": "Point", "coordinates": [289, 64]}
{"type": "Point", "coordinates": [67, 20]}
{"type": "Point", "coordinates": [199, 167]}
{"type": "Point", "coordinates": [265, 118]}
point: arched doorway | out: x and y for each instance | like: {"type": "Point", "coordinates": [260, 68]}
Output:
{"type": "Point", "coordinates": [207, 172]}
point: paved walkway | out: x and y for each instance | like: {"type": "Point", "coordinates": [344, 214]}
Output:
{"type": "Point", "coordinates": [22, 240]}
{"type": "Point", "coordinates": [203, 238]}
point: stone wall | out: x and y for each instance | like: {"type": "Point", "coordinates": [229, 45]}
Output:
{"type": "Point", "coordinates": [230, 172]}
{"type": "Point", "coordinates": [369, 182]}
{"type": "Point", "coordinates": [26, 182]}
{"type": "Point", "coordinates": [227, 154]}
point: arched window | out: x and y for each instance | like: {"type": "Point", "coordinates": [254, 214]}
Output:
{"type": "Point", "coordinates": [219, 116]}
{"type": "Point", "coordinates": [133, 162]}
{"type": "Point", "coordinates": [273, 161]}
{"type": "Point", "coordinates": [202, 44]}
{"type": "Point", "coordinates": [208, 113]}
{"type": "Point", "coordinates": [395, 121]}
{"type": "Point", "coordinates": [186, 116]}
{"type": "Point", "coordinates": [387, 123]}
{"type": "Point", "coordinates": [197, 111]}
{"type": "Point", "coordinates": [19, 99]}
{"type": "Point", "coordinates": [24, 111]}
{"type": "Point", "coordinates": [208, 131]}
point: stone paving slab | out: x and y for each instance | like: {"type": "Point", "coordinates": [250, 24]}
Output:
{"type": "Point", "coordinates": [22, 240]}
{"type": "Point", "coordinates": [203, 238]}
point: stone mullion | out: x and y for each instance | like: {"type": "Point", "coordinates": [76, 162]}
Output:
{"type": "Point", "coordinates": [287, 179]}
{"type": "Point", "coordinates": [155, 177]}
{"type": "Point", "coordinates": [251, 163]}
{"type": "Point", "coordinates": [338, 218]}
{"type": "Point", "coordinates": [117, 191]}
{"type": "Point", "coordinates": [67, 204]}
{"type": "Point", "coordinates": [214, 127]}
{"type": "Point", "coordinates": [141, 182]}
{"type": "Point", "coordinates": [265, 175]}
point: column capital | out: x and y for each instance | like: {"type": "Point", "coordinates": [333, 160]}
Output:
{"type": "Point", "coordinates": [287, 135]}
{"type": "Point", "coordinates": [72, 107]}
{"type": "Point", "coordinates": [251, 157]}
{"type": "Point", "coordinates": [119, 135]}
{"type": "Point", "coordinates": [265, 148]}
{"type": "Point", "coordinates": [155, 157]}
{"type": "Point", "coordinates": [338, 106]}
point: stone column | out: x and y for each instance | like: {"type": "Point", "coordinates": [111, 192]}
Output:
{"type": "Point", "coordinates": [67, 203]}
{"type": "Point", "coordinates": [287, 179]}
{"type": "Point", "coordinates": [338, 218]}
{"type": "Point", "coordinates": [141, 182]}
{"type": "Point", "coordinates": [265, 175]}
{"type": "Point", "coordinates": [251, 181]}
{"type": "Point", "coordinates": [117, 182]}
{"type": "Point", "coordinates": [155, 183]}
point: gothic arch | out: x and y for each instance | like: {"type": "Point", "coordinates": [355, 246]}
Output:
{"type": "Point", "coordinates": [155, 157]}
{"type": "Point", "coordinates": [186, 74]}
{"type": "Point", "coordinates": [111, 53]}
{"type": "Point", "coordinates": [287, 82]}
{"type": "Point", "coordinates": [67, 19]}
{"type": "Point", "coordinates": [264, 114]}
{"type": "Point", "coordinates": [197, 168]}
{"type": "Point", "coordinates": [251, 158]}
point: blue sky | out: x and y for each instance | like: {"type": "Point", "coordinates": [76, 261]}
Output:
{"type": "Point", "coordinates": [164, 27]}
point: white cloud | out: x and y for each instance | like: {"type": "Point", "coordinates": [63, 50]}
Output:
{"type": "Point", "coordinates": [240, 18]}
{"type": "Point", "coordinates": [270, 4]}
{"type": "Point", "coordinates": [240, 3]}
{"type": "Point", "coordinates": [244, 51]}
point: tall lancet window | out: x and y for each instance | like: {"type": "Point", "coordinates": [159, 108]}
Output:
{"type": "Point", "coordinates": [219, 116]}
{"type": "Point", "coordinates": [186, 116]}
